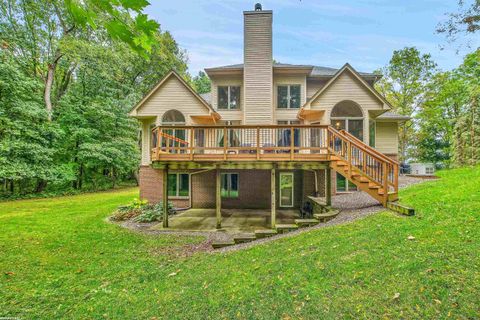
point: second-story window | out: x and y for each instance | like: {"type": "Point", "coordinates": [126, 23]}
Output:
{"type": "Point", "coordinates": [229, 97]}
{"type": "Point", "coordinates": [288, 96]}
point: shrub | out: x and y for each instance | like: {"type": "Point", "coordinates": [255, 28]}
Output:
{"type": "Point", "coordinates": [141, 211]}
{"type": "Point", "coordinates": [152, 213]}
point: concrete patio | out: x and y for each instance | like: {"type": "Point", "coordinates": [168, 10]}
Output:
{"type": "Point", "coordinates": [233, 220]}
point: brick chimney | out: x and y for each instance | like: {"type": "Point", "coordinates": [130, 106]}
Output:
{"type": "Point", "coordinates": [258, 66]}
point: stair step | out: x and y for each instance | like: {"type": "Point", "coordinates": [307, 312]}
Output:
{"type": "Point", "coordinates": [324, 217]}
{"type": "Point", "coordinates": [392, 196]}
{"type": "Point", "coordinates": [373, 186]}
{"type": "Point", "coordinates": [364, 180]}
{"type": "Point", "coordinates": [242, 238]}
{"type": "Point", "coordinates": [283, 228]}
{"type": "Point", "coordinates": [222, 244]}
{"type": "Point", "coordinates": [381, 192]}
{"type": "Point", "coordinates": [260, 234]}
{"type": "Point", "coordinates": [341, 163]}
{"type": "Point", "coordinates": [306, 222]}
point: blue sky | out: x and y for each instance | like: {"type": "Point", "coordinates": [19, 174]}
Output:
{"type": "Point", "coordinates": [326, 33]}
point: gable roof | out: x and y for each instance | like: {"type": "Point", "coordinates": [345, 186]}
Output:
{"type": "Point", "coordinates": [172, 73]}
{"type": "Point", "coordinates": [357, 75]}
{"type": "Point", "coordinates": [316, 71]}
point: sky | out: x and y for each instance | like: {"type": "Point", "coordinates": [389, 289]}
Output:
{"type": "Point", "coordinates": [363, 33]}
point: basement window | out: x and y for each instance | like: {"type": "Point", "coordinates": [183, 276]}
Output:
{"type": "Point", "coordinates": [229, 97]}
{"type": "Point", "coordinates": [229, 185]}
{"type": "Point", "coordinates": [178, 184]}
{"type": "Point", "coordinates": [288, 96]}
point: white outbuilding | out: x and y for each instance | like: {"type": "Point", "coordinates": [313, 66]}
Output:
{"type": "Point", "coordinates": [422, 169]}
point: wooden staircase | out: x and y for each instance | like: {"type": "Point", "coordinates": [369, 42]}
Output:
{"type": "Point", "coordinates": [370, 170]}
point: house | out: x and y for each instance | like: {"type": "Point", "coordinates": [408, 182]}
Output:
{"type": "Point", "coordinates": [268, 135]}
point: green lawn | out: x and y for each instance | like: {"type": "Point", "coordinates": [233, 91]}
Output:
{"type": "Point", "coordinates": [60, 259]}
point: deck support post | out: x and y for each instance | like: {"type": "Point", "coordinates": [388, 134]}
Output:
{"type": "Point", "coordinates": [218, 198]}
{"type": "Point", "coordinates": [273, 197]}
{"type": "Point", "coordinates": [165, 197]}
{"type": "Point", "coordinates": [328, 186]}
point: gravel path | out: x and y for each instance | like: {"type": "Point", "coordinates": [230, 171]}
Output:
{"type": "Point", "coordinates": [353, 206]}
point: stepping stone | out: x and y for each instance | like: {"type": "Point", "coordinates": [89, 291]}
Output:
{"type": "Point", "coordinates": [284, 228]}
{"type": "Point", "coordinates": [222, 244]}
{"type": "Point", "coordinates": [260, 234]}
{"type": "Point", "coordinates": [324, 217]}
{"type": "Point", "coordinates": [306, 222]}
{"type": "Point", "coordinates": [242, 238]}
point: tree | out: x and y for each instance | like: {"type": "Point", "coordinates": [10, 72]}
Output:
{"type": "Point", "coordinates": [42, 30]}
{"type": "Point", "coordinates": [404, 84]}
{"type": "Point", "coordinates": [464, 22]}
{"type": "Point", "coordinates": [202, 83]}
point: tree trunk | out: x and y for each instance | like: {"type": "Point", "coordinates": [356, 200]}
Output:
{"type": "Point", "coordinates": [41, 185]}
{"type": "Point", "coordinates": [48, 89]}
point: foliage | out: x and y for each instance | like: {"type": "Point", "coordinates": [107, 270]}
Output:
{"type": "Point", "coordinates": [61, 260]}
{"type": "Point", "coordinates": [202, 83]}
{"type": "Point", "coordinates": [154, 212]}
{"type": "Point", "coordinates": [464, 22]}
{"type": "Point", "coordinates": [68, 78]}
{"type": "Point", "coordinates": [141, 211]}
{"type": "Point", "coordinates": [404, 84]}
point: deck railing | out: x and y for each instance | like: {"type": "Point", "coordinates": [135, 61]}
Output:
{"type": "Point", "coordinates": [240, 143]}
{"type": "Point", "coordinates": [273, 143]}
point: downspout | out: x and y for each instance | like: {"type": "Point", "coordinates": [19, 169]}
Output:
{"type": "Point", "coordinates": [190, 188]}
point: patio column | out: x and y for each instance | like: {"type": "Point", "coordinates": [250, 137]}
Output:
{"type": "Point", "coordinates": [165, 197]}
{"type": "Point", "coordinates": [218, 199]}
{"type": "Point", "coordinates": [328, 186]}
{"type": "Point", "coordinates": [273, 192]}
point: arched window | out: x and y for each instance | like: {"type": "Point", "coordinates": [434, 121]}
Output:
{"type": "Point", "coordinates": [347, 115]}
{"type": "Point", "coordinates": [346, 108]}
{"type": "Point", "coordinates": [173, 117]}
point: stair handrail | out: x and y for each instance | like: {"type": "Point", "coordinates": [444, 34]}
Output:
{"type": "Point", "coordinates": [366, 146]}
{"type": "Point", "coordinates": [350, 139]}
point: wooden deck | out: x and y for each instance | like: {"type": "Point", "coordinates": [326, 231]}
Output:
{"type": "Point", "coordinates": [278, 145]}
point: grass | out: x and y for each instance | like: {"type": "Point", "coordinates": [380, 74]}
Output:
{"type": "Point", "coordinates": [60, 259]}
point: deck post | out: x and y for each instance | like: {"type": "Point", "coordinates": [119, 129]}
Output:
{"type": "Point", "coordinates": [165, 197]}
{"type": "Point", "coordinates": [273, 197]}
{"type": "Point", "coordinates": [328, 187]}
{"type": "Point", "coordinates": [218, 199]}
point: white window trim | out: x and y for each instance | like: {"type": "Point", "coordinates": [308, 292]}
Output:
{"type": "Point", "coordinates": [289, 96]}
{"type": "Point", "coordinates": [280, 189]}
{"type": "Point", "coordinates": [229, 108]}
{"type": "Point", "coordinates": [178, 186]}
{"type": "Point", "coordinates": [230, 184]}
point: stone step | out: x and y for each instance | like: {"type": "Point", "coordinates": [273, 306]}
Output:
{"type": "Point", "coordinates": [324, 217]}
{"type": "Point", "coordinates": [306, 222]}
{"type": "Point", "coordinates": [242, 238]}
{"type": "Point", "coordinates": [260, 234]}
{"type": "Point", "coordinates": [222, 244]}
{"type": "Point", "coordinates": [283, 228]}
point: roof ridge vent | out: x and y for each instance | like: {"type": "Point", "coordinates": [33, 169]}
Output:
{"type": "Point", "coordinates": [258, 7]}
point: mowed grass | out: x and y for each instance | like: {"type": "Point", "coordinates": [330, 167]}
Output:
{"type": "Point", "coordinates": [60, 259]}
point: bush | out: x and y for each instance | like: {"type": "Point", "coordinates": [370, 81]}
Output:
{"type": "Point", "coordinates": [141, 211]}
{"type": "Point", "coordinates": [152, 213]}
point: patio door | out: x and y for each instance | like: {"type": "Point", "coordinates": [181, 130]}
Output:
{"type": "Point", "coordinates": [286, 189]}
